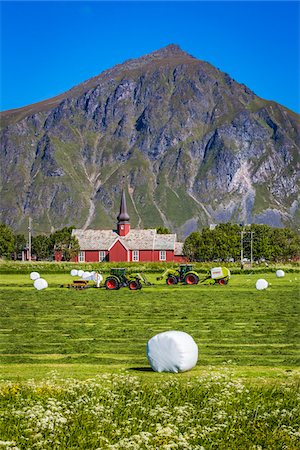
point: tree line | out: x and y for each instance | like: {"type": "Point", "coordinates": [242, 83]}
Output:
{"type": "Point", "coordinates": [221, 243]}
{"type": "Point", "coordinates": [224, 243]}
{"type": "Point", "coordinates": [43, 246]}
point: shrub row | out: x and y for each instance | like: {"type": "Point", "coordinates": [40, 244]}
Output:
{"type": "Point", "coordinates": [12, 267]}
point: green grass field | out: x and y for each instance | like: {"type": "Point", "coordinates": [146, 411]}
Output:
{"type": "Point", "coordinates": [233, 323]}
{"type": "Point", "coordinates": [248, 340]}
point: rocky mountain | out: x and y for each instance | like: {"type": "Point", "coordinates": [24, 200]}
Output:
{"type": "Point", "coordinates": [191, 146]}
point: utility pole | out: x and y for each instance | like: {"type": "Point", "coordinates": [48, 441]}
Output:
{"type": "Point", "coordinates": [251, 246]}
{"type": "Point", "coordinates": [29, 239]}
{"type": "Point", "coordinates": [242, 248]}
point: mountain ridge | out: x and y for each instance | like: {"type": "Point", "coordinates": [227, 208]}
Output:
{"type": "Point", "coordinates": [186, 135]}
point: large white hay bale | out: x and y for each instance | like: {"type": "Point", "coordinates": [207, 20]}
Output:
{"type": "Point", "coordinates": [40, 284]}
{"type": "Point", "coordinates": [280, 273]}
{"type": "Point", "coordinates": [86, 276]}
{"type": "Point", "coordinates": [261, 284]}
{"type": "Point", "coordinates": [172, 351]}
{"type": "Point", "coordinates": [34, 276]}
{"type": "Point", "coordinates": [74, 273]}
{"type": "Point", "coordinates": [80, 273]}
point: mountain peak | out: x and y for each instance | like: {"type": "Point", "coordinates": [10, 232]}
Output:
{"type": "Point", "coordinates": [169, 123]}
{"type": "Point", "coordinates": [171, 50]}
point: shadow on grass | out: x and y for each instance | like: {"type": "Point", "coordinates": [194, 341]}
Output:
{"type": "Point", "coordinates": [141, 369]}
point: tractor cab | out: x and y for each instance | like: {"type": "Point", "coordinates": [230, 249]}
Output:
{"type": "Point", "coordinates": [118, 272]}
{"type": "Point", "coordinates": [183, 269]}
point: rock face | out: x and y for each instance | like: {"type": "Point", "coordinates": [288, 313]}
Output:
{"type": "Point", "coordinates": [191, 146]}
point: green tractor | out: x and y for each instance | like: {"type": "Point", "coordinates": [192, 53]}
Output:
{"type": "Point", "coordinates": [184, 274]}
{"type": "Point", "coordinates": [119, 278]}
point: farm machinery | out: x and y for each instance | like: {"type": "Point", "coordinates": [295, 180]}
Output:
{"type": "Point", "coordinates": [119, 278]}
{"type": "Point", "coordinates": [77, 284]}
{"type": "Point", "coordinates": [184, 274]}
{"type": "Point", "coordinates": [217, 275]}
{"type": "Point", "coordinates": [83, 283]}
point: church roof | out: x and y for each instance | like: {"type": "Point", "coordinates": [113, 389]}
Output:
{"type": "Point", "coordinates": [134, 240]}
{"type": "Point", "coordinates": [95, 239]}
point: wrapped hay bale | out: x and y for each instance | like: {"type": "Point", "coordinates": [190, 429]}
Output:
{"type": "Point", "coordinates": [86, 276]}
{"type": "Point", "coordinates": [40, 284]}
{"type": "Point", "coordinates": [34, 276]}
{"type": "Point", "coordinates": [261, 284]}
{"type": "Point", "coordinates": [80, 272]}
{"type": "Point", "coordinates": [172, 351]}
{"type": "Point", "coordinates": [280, 273]}
{"type": "Point", "coordinates": [74, 273]}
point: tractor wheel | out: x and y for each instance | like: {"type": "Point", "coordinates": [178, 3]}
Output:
{"type": "Point", "coordinates": [223, 281]}
{"type": "Point", "coordinates": [171, 280]}
{"type": "Point", "coordinates": [191, 278]}
{"type": "Point", "coordinates": [134, 285]}
{"type": "Point", "coordinates": [112, 283]}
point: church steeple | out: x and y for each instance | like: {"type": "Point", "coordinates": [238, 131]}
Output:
{"type": "Point", "coordinates": [123, 217]}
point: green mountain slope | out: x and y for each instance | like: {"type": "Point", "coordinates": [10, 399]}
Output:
{"type": "Point", "coordinates": [190, 145]}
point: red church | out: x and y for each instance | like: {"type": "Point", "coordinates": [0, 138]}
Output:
{"type": "Point", "coordinates": [126, 244]}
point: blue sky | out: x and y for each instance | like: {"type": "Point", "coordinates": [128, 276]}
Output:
{"type": "Point", "coordinates": [49, 47]}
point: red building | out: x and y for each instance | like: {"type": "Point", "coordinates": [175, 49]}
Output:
{"type": "Point", "coordinates": [126, 244]}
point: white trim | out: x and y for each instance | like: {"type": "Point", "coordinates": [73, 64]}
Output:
{"type": "Point", "coordinates": [161, 252]}
{"type": "Point", "coordinates": [135, 255]}
{"type": "Point", "coordinates": [122, 243]}
{"type": "Point", "coordinates": [81, 256]}
{"type": "Point", "coordinates": [103, 256]}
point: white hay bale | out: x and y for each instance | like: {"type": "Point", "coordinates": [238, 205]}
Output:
{"type": "Point", "coordinates": [261, 284]}
{"type": "Point", "coordinates": [86, 276]}
{"type": "Point", "coordinates": [40, 284]}
{"type": "Point", "coordinates": [280, 273]}
{"type": "Point", "coordinates": [34, 276]}
{"type": "Point", "coordinates": [80, 273]}
{"type": "Point", "coordinates": [96, 277]}
{"type": "Point", "coordinates": [172, 351]}
{"type": "Point", "coordinates": [74, 273]}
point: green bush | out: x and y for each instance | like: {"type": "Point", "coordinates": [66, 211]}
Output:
{"type": "Point", "coordinates": [15, 267]}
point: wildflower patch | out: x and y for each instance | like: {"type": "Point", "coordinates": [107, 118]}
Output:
{"type": "Point", "coordinates": [121, 412]}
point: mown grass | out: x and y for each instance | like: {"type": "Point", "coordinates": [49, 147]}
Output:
{"type": "Point", "coordinates": [234, 322]}
{"type": "Point", "coordinates": [243, 393]}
